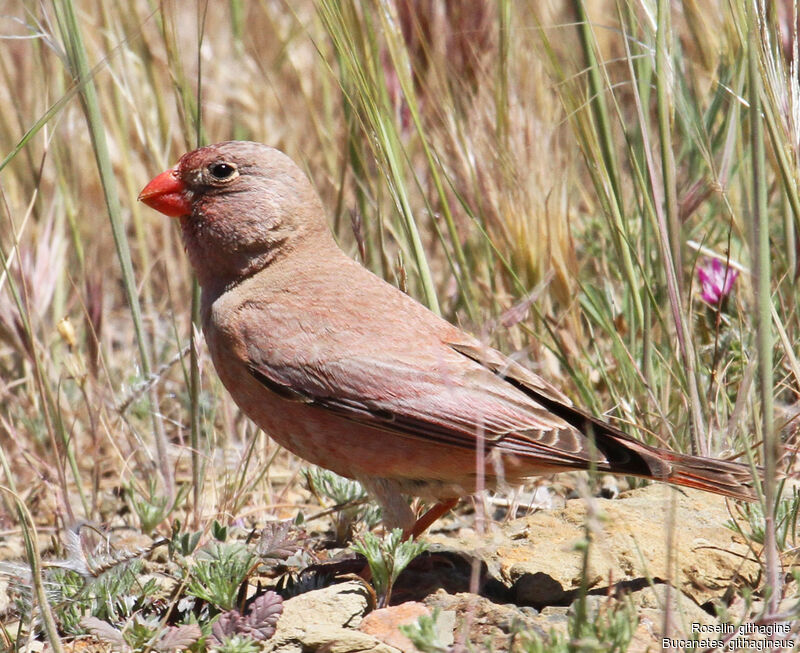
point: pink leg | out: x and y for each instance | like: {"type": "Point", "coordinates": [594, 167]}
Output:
{"type": "Point", "coordinates": [424, 522]}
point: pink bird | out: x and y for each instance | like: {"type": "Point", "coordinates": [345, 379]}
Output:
{"type": "Point", "coordinates": [351, 374]}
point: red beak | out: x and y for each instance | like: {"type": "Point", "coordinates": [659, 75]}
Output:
{"type": "Point", "coordinates": [167, 193]}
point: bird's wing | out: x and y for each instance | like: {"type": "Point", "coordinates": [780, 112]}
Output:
{"type": "Point", "coordinates": [468, 391]}
{"type": "Point", "coordinates": [609, 447]}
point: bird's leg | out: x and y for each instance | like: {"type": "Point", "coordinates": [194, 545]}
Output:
{"type": "Point", "coordinates": [430, 516]}
{"type": "Point", "coordinates": [397, 512]}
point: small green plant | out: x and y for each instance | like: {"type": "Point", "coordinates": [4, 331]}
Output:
{"type": "Point", "coordinates": [424, 634]}
{"type": "Point", "coordinates": [116, 599]}
{"type": "Point", "coordinates": [113, 596]}
{"type": "Point", "coordinates": [152, 507]}
{"type": "Point", "coordinates": [350, 499]}
{"type": "Point", "coordinates": [219, 532]}
{"type": "Point", "coordinates": [237, 644]}
{"type": "Point", "coordinates": [786, 515]}
{"type": "Point", "coordinates": [218, 572]}
{"type": "Point", "coordinates": [234, 631]}
{"type": "Point", "coordinates": [183, 543]}
{"type": "Point", "coordinates": [387, 557]}
{"type": "Point", "coordinates": [608, 628]}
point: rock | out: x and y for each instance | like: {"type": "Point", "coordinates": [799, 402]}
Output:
{"type": "Point", "coordinates": [486, 625]}
{"type": "Point", "coordinates": [554, 618]}
{"type": "Point", "coordinates": [555, 613]}
{"type": "Point", "coordinates": [326, 618]}
{"type": "Point", "coordinates": [649, 536]}
{"type": "Point", "coordinates": [335, 639]}
{"type": "Point", "coordinates": [653, 602]}
{"type": "Point", "coordinates": [632, 538]}
{"type": "Point", "coordinates": [384, 624]}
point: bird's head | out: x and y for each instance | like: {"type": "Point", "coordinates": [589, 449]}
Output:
{"type": "Point", "coordinates": [241, 206]}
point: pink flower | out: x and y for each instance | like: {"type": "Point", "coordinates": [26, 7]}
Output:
{"type": "Point", "coordinates": [716, 281]}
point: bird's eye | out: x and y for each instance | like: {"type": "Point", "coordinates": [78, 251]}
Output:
{"type": "Point", "coordinates": [221, 170]}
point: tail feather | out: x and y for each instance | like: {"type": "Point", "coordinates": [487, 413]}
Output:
{"type": "Point", "coordinates": [719, 476]}
{"type": "Point", "coordinates": [625, 455]}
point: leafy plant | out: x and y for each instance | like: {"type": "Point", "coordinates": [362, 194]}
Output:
{"type": "Point", "coordinates": [608, 630]}
{"type": "Point", "coordinates": [237, 644]}
{"type": "Point", "coordinates": [218, 572]}
{"type": "Point", "coordinates": [787, 512]}
{"type": "Point", "coordinates": [115, 595]}
{"type": "Point", "coordinates": [232, 629]}
{"type": "Point", "coordinates": [219, 532]}
{"type": "Point", "coordinates": [277, 541]}
{"type": "Point", "coordinates": [183, 543]}
{"type": "Point", "coordinates": [142, 634]}
{"type": "Point", "coordinates": [153, 506]}
{"type": "Point", "coordinates": [387, 557]}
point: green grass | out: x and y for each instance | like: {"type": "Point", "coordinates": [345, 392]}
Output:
{"type": "Point", "coordinates": [549, 177]}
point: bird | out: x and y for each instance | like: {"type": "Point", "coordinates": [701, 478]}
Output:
{"type": "Point", "coordinates": [352, 374]}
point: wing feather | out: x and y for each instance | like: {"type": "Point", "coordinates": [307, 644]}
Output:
{"type": "Point", "coordinates": [463, 395]}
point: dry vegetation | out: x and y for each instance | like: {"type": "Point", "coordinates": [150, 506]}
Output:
{"type": "Point", "coordinates": [480, 158]}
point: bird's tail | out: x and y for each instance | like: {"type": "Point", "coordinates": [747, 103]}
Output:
{"type": "Point", "coordinates": [625, 455]}
{"type": "Point", "coordinates": [712, 475]}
